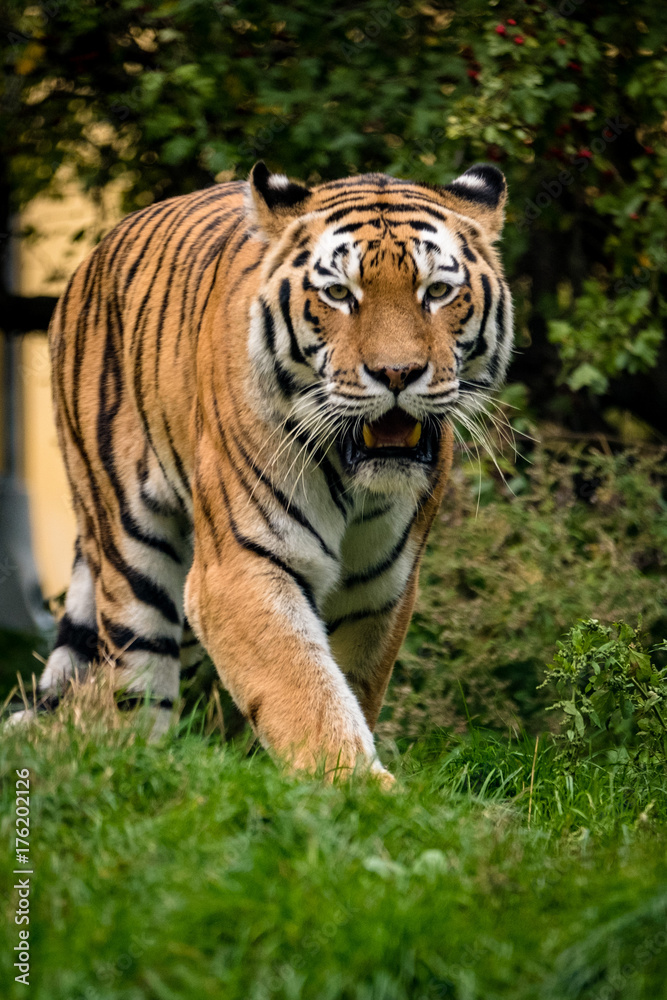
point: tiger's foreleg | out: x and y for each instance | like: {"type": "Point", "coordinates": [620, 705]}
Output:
{"type": "Point", "coordinates": [271, 651]}
{"type": "Point", "coordinates": [370, 647]}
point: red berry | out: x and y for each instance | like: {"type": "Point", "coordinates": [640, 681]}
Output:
{"type": "Point", "coordinates": [575, 66]}
{"type": "Point", "coordinates": [586, 153]}
{"type": "Point", "coordinates": [510, 20]}
{"type": "Point", "coordinates": [501, 29]}
{"type": "Point", "coordinates": [649, 150]}
{"type": "Point", "coordinates": [561, 41]}
{"type": "Point", "coordinates": [518, 39]}
{"type": "Point", "coordinates": [562, 129]}
{"type": "Point", "coordinates": [473, 73]}
{"type": "Point", "coordinates": [633, 215]}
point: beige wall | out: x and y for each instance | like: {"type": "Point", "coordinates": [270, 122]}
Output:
{"type": "Point", "coordinates": [50, 505]}
{"type": "Point", "coordinates": [44, 266]}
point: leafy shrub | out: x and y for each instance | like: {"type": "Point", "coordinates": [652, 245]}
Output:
{"type": "Point", "coordinates": [613, 693]}
{"type": "Point", "coordinates": [585, 535]}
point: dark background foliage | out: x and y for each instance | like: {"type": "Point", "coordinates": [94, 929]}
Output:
{"type": "Point", "coordinates": [569, 99]}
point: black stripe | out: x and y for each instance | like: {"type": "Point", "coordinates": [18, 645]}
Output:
{"type": "Point", "coordinates": [149, 502]}
{"type": "Point", "coordinates": [425, 227]}
{"type": "Point", "coordinates": [444, 392]}
{"type": "Point", "coordinates": [144, 247]}
{"type": "Point", "coordinates": [246, 271]}
{"type": "Point", "coordinates": [311, 319]}
{"type": "Point", "coordinates": [501, 327]}
{"type": "Point", "coordinates": [467, 252]}
{"type": "Point", "coordinates": [357, 616]}
{"type": "Point", "coordinates": [284, 300]}
{"type": "Point", "coordinates": [468, 315]}
{"type": "Point", "coordinates": [288, 505]}
{"type": "Point", "coordinates": [118, 237]}
{"type": "Point", "coordinates": [187, 643]}
{"type": "Point", "coordinates": [126, 702]}
{"type": "Point", "coordinates": [323, 270]}
{"type": "Point", "coordinates": [385, 206]}
{"type": "Point", "coordinates": [252, 546]}
{"type": "Point", "coordinates": [45, 703]}
{"type": "Point", "coordinates": [493, 364]}
{"type": "Point", "coordinates": [334, 482]}
{"type": "Point", "coordinates": [286, 382]}
{"type": "Point", "coordinates": [302, 259]}
{"type": "Point", "coordinates": [200, 498]}
{"type": "Point", "coordinates": [209, 250]}
{"type": "Point", "coordinates": [128, 641]}
{"type": "Point", "coordinates": [245, 485]}
{"type": "Point", "coordinates": [110, 398]}
{"type": "Point", "coordinates": [178, 461]}
{"type": "Point", "coordinates": [187, 673]}
{"type": "Point", "coordinates": [143, 588]}
{"type": "Point", "coordinates": [372, 515]}
{"type": "Point", "coordinates": [480, 344]}
{"type": "Point", "coordinates": [365, 576]}
{"type": "Point", "coordinates": [80, 337]}
{"type": "Point", "coordinates": [352, 227]}
{"type": "Point", "coordinates": [81, 639]}
{"type": "Point", "coordinates": [175, 262]}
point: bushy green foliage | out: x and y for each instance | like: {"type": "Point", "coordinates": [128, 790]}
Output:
{"type": "Point", "coordinates": [569, 100]}
{"type": "Point", "coordinates": [613, 693]}
{"type": "Point", "coordinates": [584, 535]}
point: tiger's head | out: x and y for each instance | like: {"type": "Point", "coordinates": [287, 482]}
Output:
{"type": "Point", "coordinates": [383, 311]}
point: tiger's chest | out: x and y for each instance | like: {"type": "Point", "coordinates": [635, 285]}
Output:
{"type": "Point", "coordinates": [378, 551]}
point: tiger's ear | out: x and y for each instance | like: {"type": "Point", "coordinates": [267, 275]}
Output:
{"type": "Point", "coordinates": [274, 200]}
{"type": "Point", "coordinates": [480, 193]}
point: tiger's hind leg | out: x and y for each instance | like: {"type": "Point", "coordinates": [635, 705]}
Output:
{"type": "Point", "coordinates": [77, 639]}
{"type": "Point", "coordinates": [144, 557]}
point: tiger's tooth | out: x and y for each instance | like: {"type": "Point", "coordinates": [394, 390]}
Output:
{"type": "Point", "coordinates": [414, 435]}
{"type": "Point", "coordinates": [369, 438]}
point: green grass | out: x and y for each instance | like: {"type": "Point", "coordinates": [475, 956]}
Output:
{"type": "Point", "coordinates": [191, 869]}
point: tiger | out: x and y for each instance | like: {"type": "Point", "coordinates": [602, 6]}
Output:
{"type": "Point", "coordinates": [253, 388]}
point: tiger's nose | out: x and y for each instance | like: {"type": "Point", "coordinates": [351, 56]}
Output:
{"type": "Point", "coordinates": [397, 379]}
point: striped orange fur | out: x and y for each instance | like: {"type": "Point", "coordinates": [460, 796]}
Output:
{"type": "Point", "coordinates": [253, 388]}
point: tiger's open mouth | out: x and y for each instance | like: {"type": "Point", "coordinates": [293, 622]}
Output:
{"type": "Point", "coordinates": [395, 435]}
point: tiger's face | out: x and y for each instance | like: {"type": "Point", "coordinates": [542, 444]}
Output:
{"type": "Point", "coordinates": [392, 314]}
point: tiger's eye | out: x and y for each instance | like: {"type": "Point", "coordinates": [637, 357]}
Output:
{"type": "Point", "coordinates": [438, 290]}
{"type": "Point", "coordinates": [339, 292]}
